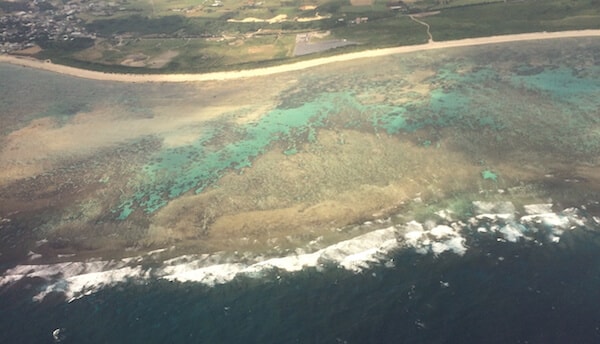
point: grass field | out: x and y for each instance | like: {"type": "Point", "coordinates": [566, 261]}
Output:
{"type": "Point", "coordinates": [518, 17]}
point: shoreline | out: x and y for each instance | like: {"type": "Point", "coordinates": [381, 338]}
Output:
{"type": "Point", "coordinates": [249, 73]}
{"type": "Point", "coordinates": [496, 222]}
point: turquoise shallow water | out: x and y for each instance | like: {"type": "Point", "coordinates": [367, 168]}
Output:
{"type": "Point", "coordinates": [178, 170]}
{"type": "Point", "coordinates": [518, 99]}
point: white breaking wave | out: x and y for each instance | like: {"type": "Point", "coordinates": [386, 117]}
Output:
{"type": "Point", "coordinates": [437, 240]}
{"type": "Point", "coordinates": [77, 279]}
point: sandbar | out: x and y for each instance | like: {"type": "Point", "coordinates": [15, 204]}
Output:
{"type": "Point", "coordinates": [248, 73]}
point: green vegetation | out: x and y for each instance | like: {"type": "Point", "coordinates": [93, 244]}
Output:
{"type": "Point", "coordinates": [138, 24]}
{"type": "Point", "coordinates": [392, 31]}
{"type": "Point", "coordinates": [200, 36]}
{"type": "Point", "coordinates": [518, 17]}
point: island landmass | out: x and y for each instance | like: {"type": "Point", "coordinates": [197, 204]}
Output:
{"type": "Point", "coordinates": [183, 37]}
{"type": "Point", "coordinates": [228, 75]}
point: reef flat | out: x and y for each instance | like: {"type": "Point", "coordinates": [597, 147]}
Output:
{"type": "Point", "coordinates": [268, 164]}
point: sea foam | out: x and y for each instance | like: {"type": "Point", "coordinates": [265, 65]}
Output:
{"type": "Point", "coordinates": [78, 279]}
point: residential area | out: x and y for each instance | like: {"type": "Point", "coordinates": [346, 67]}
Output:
{"type": "Point", "coordinates": [23, 24]}
{"type": "Point", "coordinates": [27, 24]}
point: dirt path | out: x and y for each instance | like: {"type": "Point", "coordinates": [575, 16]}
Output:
{"type": "Point", "coordinates": [425, 24]}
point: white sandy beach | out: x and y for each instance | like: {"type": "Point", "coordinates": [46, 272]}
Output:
{"type": "Point", "coordinates": [229, 75]}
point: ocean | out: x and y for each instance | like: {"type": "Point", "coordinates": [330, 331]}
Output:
{"type": "Point", "coordinates": [495, 293]}
{"type": "Point", "coordinates": [444, 196]}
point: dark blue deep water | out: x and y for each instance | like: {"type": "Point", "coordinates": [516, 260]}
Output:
{"type": "Point", "coordinates": [496, 293]}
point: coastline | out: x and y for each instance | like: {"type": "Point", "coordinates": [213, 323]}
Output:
{"type": "Point", "coordinates": [248, 73]}
{"type": "Point", "coordinates": [497, 222]}
{"type": "Point", "coordinates": [496, 234]}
